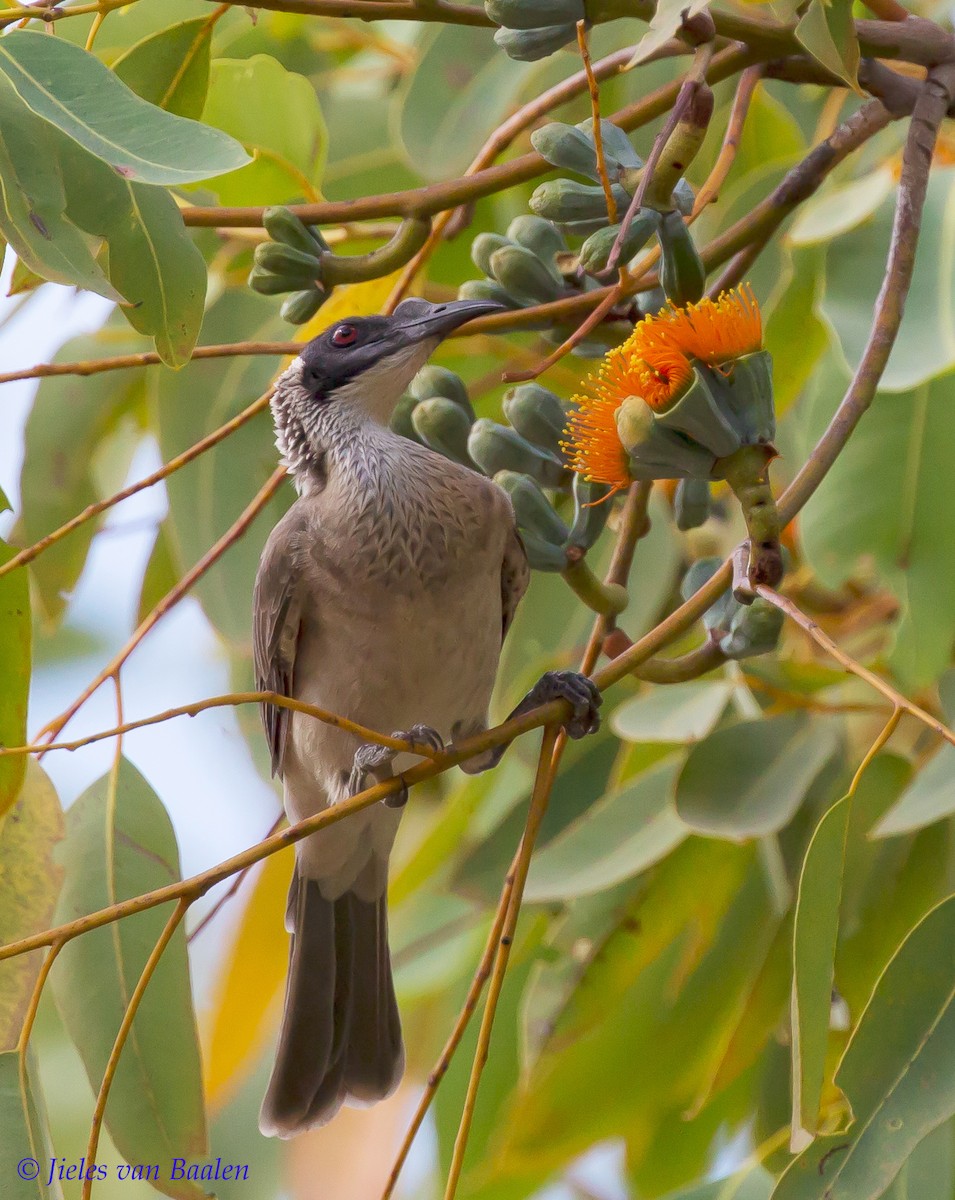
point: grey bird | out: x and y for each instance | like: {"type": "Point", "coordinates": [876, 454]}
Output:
{"type": "Point", "coordinates": [383, 595]}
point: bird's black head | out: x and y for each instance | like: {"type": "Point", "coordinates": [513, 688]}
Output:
{"type": "Point", "coordinates": [371, 360]}
{"type": "Point", "coordinates": [354, 374]}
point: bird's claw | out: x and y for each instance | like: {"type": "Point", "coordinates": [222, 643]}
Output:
{"type": "Point", "coordinates": [372, 762]}
{"type": "Point", "coordinates": [580, 692]}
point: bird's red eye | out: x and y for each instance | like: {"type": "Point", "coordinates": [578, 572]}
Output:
{"type": "Point", "coordinates": [344, 335]}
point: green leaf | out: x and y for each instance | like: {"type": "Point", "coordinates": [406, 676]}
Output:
{"type": "Point", "coordinates": [171, 68]}
{"type": "Point", "coordinates": [814, 946]}
{"type": "Point", "coordinates": [72, 90]}
{"type": "Point", "coordinates": [667, 19]}
{"type": "Point", "coordinates": [208, 496]}
{"type": "Point", "coordinates": [16, 640]}
{"type": "Point", "coordinates": [619, 836]}
{"type": "Point", "coordinates": [276, 116]}
{"type": "Point", "coordinates": [70, 417]}
{"type": "Point", "coordinates": [749, 779]}
{"type": "Point", "coordinates": [827, 30]}
{"type": "Point", "coordinates": [752, 1183]}
{"type": "Point", "coordinates": [898, 1072]}
{"type": "Point", "coordinates": [26, 1131]}
{"type": "Point", "coordinates": [152, 259]}
{"type": "Point", "coordinates": [29, 883]}
{"type": "Point", "coordinates": [796, 337]}
{"type": "Point", "coordinates": [119, 844]}
{"type": "Point", "coordinates": [837, 210]}
{"type": "Point", "coordinates": [930, 1173]}
{"type": "Point", "coordinates": [462, 87]}
{"type": "Point", "coordinates": [33, 212]}
{"type": "Point", "coordinates": [887, 501]}
{"type": "Point", "coordinates": [925, 346]}
{"type": "Point", "coordinates": [681, 712]}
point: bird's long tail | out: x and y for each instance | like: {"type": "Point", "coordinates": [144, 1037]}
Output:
{"type": "Point", "coordinates": [341, 1034]}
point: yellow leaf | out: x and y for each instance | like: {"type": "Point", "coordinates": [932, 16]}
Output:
{"type": "Point", "coordinates": [352, 300]}
{"type": "Point", "coordinates": [251, 985]}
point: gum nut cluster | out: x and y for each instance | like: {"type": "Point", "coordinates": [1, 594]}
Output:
{"type": "Point", "coordinates": [742, 630]}
{"type": "Point", "coordinates": [523, 457]}
{"type": "Point", "coordinates": [523, 268]}
{"type": "Point", "coordinates": [290, 262]}
{"type": "Point", "coordinates": [689, 387]}
{"type": "Point", "coordinates": [533, 29]}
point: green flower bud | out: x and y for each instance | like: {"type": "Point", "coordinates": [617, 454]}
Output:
{"type": "Point", "coordinates": [541, 554]}
{"type": "Point", "coordinates": [568, 147]}
{"type": "Point", "coordinates": [522, 273]}
{"type": "Point", "coordinates": [682, 273]}
{"type": "Point", "coordinates": [618, 149]}
{"type": "Point", "coordinates": [537, 414]}
{"type": "Point", "coordinates": [267, 284]}
{"type": "Point", "coordinates": [539, 236]}
{"type": "Point", "coordinates": [535, 513]}
{"type": "Point", "coordinates": [443, 426]}
{"type": "Point", "coordinates": [282, 225]}
{"type": "Point", "coordinates": [486, 289]}
{"type": "Point", "coordinates": [483, 247]}
{"type": "Point", "coordinates": [691, 505]}
{"type": "Point", "coordinates": [496, 448]}
{"type": "Point", "coordinates": [681, 148]}
{"type": "Point", "coordinates": [565, 200]}
{"type": "Point", "coordinates": [720, 614]}
{"type": "Point", "coordinates": [439, 381]}
{"type": "Point", "coordinates": [657, 452]}
{"type": "Point", "coordinates": [590, 513]}
{"type": "Point", "coordinates": [529, 45]}
{"type": "Point", "coordinates": [401, 418]}
{"type": "Point", "coordinates": [753, 630]}
{"type": "Point", "coordinates": [285, 260]}
{"type": "Point", "coordinates": [532, 14]}
{"type": "Point", "coordinates": [596, 250]}
{"type": "Point", "coordinates": [302, 306]}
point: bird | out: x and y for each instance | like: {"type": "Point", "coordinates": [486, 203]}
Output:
{"type": "Point", "coordinates": [383, 595]}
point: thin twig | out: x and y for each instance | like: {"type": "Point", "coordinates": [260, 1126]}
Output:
{"type": "Point", "coordinates": [231, 700]}
{"type": "Point", "coordinates": [595, 122]}
{"type": "Point", "coordinates": [231, 891]}
{"type": "Point", "coordinates": [480, 978]}
{"type": "Point", "coordinates": [546, 772]}
{"type": "Point", "coordinates": [167, 469]}
{"type": "Point", "coordinates": [812, 627]}
{"type": "Point", "coordinates": [125, 1025]}
{"type": "Point", "coordinates": [172, 597]}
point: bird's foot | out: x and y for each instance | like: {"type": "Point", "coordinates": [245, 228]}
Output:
{"type": "Point", "coordinates": [578, 690]}
{"type": "Point", "coordinates": [372, 762]}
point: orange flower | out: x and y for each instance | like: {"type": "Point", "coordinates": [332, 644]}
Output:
{"type": "Point", "coordinates": [655, 363]}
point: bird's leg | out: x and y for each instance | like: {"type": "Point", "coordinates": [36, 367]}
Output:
{"type": "Point", "coordinates": [372, 762]}
{"type": "Point", "coordinates": [578, 690]}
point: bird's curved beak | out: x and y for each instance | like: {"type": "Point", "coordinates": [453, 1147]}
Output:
{"type": "Point", "coordinates": [418, 320]}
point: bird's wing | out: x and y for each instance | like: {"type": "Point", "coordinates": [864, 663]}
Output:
{"type": "Point", "coordinates": [276, 615]}
{"type": "Point", "coordinates": [515, 576]}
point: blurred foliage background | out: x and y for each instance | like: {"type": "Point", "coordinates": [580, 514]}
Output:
{"type": "Point", "coordinates": [701, 889]}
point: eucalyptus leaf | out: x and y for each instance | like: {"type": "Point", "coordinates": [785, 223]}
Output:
{"type": "Point", "coordinates": [119, 844]}
{"type": "Point", "coordinates": [171, 68]}
{"type": "Point", "coordinates": [461, 90]}
{"type": "Point", "coordinates": [814, 947]}
{"type": "Point", "coordinates": [26, 1131]}
{"type": "Point", "coordinates": [16, 640]}
{"type": "Point", "coordinates": [619, 836]}
{"type": "Point", "coordinates": [275, 114]}
{"type": "Point", "coordinates": [898, 1072]}
{"type": "Point", "coordinates": [72, 90]}
{"type": "Point", "coordinates": [827, 31]}
{"type": "Point", "coordinates": [748, 779]}
{"type": "Point", "coordinates": [680, 712]}
{"type": "Point", "coordinates": [29, 883]}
